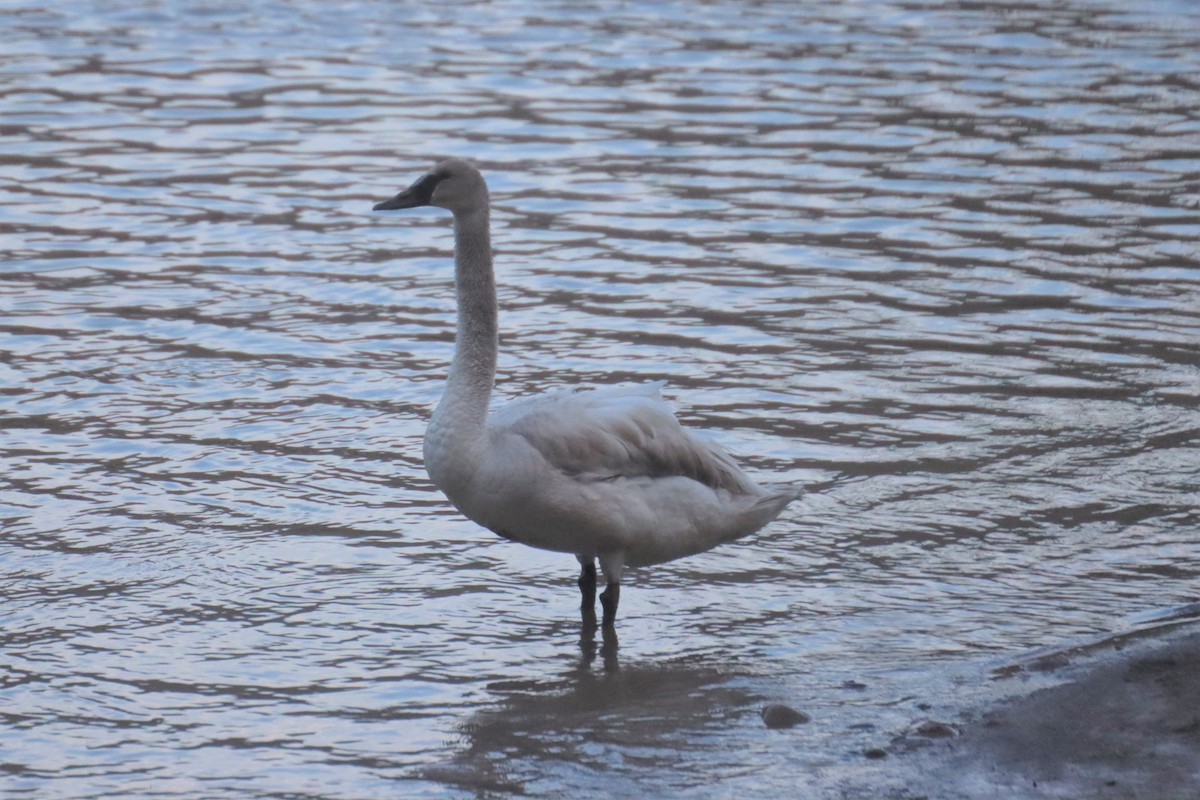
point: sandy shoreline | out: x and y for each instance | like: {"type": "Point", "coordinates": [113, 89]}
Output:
{"type": "Point", "coordinates": [1123, 723]}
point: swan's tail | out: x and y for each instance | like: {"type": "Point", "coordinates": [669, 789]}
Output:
{"type": "Point", "coordinates": [776, 499]}
{"type": "Point", "coordinates": [763, 510]}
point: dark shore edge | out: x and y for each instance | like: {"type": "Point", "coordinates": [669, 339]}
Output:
{"type": "Point", "coordinates": [1121, 719]}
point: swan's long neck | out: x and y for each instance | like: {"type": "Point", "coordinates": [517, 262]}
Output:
{"type": "Point", "coordinates": [463, 407]}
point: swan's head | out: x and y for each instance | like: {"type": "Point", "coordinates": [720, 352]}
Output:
{"type": "Point", "coordinates": [453, 184]}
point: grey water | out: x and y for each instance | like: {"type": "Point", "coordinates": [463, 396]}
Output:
{"type": "Point", "coordinates": [938, 262]}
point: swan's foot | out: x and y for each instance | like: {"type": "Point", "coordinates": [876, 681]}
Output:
{"type": "Point", "coordinates": [587, 586]}
{"type": "Point", "coordinates": [613, 565]}
{"type": "Point", "coordinates": [609, 599]}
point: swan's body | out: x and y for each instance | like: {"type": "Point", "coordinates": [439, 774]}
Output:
{"type": "Point", "coordinates": [607, 473]}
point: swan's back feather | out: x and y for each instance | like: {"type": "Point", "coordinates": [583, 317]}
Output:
{"type": "Point", "coordinates": [615, 433]}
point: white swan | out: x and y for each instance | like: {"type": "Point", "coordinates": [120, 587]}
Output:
{"type": "Point", "coordinates": [606, 473]}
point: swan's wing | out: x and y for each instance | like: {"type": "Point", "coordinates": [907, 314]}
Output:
{"type": "Point", "coordinates": [626, 432]}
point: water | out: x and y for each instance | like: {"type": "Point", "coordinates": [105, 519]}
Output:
{"type": "Point", "coordinates": [936, 261]}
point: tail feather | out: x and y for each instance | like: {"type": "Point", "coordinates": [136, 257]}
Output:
{"type": "Point", "coordinates": [778, 499]}
{"type": "Point", "coordinates": [781, 494]}
{"type": "Point", "coordinates": [764, 509]}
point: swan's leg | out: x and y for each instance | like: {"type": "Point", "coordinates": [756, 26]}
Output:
{"type": "Point", "coordinates": [587, 582]}
{"type": "Point", "coordinates": [609, 599]}
{"type": "Point", "coordinates": [613, 566]}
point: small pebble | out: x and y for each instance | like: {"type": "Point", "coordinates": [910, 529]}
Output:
{"type": "Point", "coordinates": [932, 729]}
{"type": "Point", "coordinates": [781, 716]}
{"type": "Point", "coordinates": [875, 752]}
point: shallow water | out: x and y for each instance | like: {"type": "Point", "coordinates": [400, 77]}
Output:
{"type": "Point", "coordinates": [937, 261]}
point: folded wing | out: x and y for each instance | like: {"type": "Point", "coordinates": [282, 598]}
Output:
{"type": "Point", "coordinates": [619, 433]}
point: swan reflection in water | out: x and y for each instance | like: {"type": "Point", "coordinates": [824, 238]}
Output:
{"type": "Point", "coordinates": [606, 474]}
{"type": "Point", "coordinates": [592, 716]}
{"type": "Point", "coordinates": [587, 643]}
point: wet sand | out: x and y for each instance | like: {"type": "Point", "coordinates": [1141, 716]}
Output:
{"type": "Point", "coordinates": [1125, 723]}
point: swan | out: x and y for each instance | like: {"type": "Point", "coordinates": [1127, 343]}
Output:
{"type": "Point", "coordinates": [606, 474]}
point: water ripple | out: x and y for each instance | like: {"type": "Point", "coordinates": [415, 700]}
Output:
{"type": "Point", "coordinates": [934, 260]}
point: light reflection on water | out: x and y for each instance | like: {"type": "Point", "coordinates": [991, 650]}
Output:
{"type": "Point", "coordinates": [936, 261]}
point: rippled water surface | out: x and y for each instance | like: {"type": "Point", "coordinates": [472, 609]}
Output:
{"type": "Point", "coordinates": [937, 261]}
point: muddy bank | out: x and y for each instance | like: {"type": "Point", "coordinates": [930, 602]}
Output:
{"type": "Point", "coordinates": [1124, 723]}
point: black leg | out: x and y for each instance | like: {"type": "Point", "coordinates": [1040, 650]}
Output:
{"type": "Point", "coordinates": [609, 599]}
{"type": "Point", "coordinates": [587, 587]}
